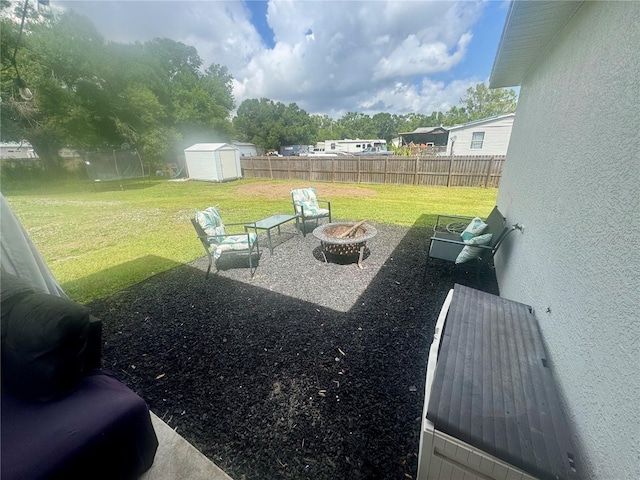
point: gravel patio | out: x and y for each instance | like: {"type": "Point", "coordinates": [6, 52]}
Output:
{"type": "Point", "coordinates": [307, 370]}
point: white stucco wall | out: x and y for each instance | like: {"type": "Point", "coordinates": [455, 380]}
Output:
{"type": "Point", "coordinates": [572, 177]}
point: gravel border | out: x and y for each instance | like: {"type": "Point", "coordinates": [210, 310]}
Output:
{"type": "Point", "coordinates": [307, 370]}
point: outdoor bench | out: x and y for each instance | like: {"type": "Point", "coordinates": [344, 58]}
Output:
{"type": "Point", "coordinates": [491, 407]}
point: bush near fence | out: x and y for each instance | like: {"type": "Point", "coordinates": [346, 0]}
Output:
{"type": "Point", "coordinates": [457, 171]}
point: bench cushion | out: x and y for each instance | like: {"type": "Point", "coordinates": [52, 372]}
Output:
{"type": "Point", "coordinates": [493, 388]}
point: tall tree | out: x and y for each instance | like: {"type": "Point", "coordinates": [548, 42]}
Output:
{"type": "Point", "coordinates": [91, 94]}
{"type": "Point", "coordinates": [410, 121]}
{"type": "Point", "coordinates": [356, 125]}
{"type": "Point", "coordinates": [272, 124]}
{"type": "Point", "coordinates": [255, 122]}
{"type": "Point", "coordinates": [60, 62]}
{"type": "Point", "coordinates": [455, 116]}
{"type": "Point", "coordinates": [482, 102]}
{"type": "Point", "coordinates": [385, 126]}
{"type": "Point", "coordinates": [324, 128]}
{"type": "Point", "coordinates": [296, 126]}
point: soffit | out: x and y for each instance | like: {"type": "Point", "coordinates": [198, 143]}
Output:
{"type": "Point", "coordinates": [530, 29]}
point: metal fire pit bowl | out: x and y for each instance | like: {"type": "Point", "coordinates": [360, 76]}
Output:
{"type": "Point", "coordinates": [350, 245]}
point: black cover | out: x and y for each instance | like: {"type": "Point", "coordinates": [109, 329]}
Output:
{"type": "Point", "coordinates": [12, 290]}
{"type": "Point", "coordinates": [44, 348]}
{"type": "Point", "coordinates": [493, 390]}
{"type": "Point", "coordinates": [101, 431]}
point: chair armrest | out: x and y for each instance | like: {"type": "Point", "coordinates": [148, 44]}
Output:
{"type": "Point", "coordinates": [239, 223]}
{"type": "Point", "coordinates": [457, 242]}
{"type": "Point", "coordinates": [228, 235]}
{"type": "Point", "coordinates": [325, 201]}
{"type": "Point", "coordinates": [243, 224]}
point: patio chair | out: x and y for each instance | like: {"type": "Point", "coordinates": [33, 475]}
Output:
{"type": "Point", "coordinates": [216, 241]}
{"type": "Point", "coordinates": [306, 206]}
{"type": "Point", "coordinates": [453, 241]}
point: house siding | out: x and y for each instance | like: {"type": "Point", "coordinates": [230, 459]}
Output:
{"type": "Point", "coordinates": [578, 197]}
{"type": "Point", "coordinates": [496, 138]}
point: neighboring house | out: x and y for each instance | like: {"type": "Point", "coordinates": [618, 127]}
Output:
{"type": "Point", "coordinates": [577, 263]}
{"type": "Point", "coordinates": [487, 136]}
{"type": "Point", "coordinates": [426, 140]}
{"type": "Point", "coordinates": [246, 149]}
{"type": "Point", "coordinates": [17, 150]}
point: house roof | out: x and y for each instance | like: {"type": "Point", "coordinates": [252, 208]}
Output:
{"type": "Point", "coordinates": [207, 147]}
{"type": "Point", "coordinates": [481, 121]}
{"type": "Point", "coordinates": [426, 130]}
{"type": "Point", "coordinates": [530, 29]}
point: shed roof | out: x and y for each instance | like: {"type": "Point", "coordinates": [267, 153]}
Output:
{"type": "Point", "coordinates": [530, 29]}
{"type": "Point", "coordinates": [207, 147]}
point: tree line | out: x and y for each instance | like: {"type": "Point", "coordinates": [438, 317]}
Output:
{"type": "Point", "coordinates": [87, 93]}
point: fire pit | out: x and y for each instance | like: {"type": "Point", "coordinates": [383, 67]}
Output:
{"type": "Point", "coordinates": [344, 239]}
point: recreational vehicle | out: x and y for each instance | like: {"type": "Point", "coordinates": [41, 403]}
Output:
{"type": "Point", "coordinates": [355, 146]}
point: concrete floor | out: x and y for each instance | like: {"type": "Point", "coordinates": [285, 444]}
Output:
{"type": "Point", "coordinates": [178, 459]}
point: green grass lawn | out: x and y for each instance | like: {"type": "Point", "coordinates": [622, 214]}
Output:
{"type": "Point", "coordinates": [100, 241]}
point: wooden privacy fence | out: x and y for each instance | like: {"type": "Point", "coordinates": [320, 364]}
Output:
{"type": "Point", "coordinates": [462, 171]}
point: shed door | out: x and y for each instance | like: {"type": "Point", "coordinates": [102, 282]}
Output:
{"type": "Point", "coordinates": [228, 164]}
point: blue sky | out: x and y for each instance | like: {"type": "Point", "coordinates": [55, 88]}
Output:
{"type": "Point", "coordinates": [329, 57]}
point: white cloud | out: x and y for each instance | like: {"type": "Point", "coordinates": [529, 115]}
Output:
{"type": "Point", "coordinates": [413, 57]}
{"type": "Point", "coordinates": [329, 57]}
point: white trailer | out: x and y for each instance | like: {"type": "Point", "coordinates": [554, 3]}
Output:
{"type": "Point", "coordinates": [355, 146]}
{"type": "Point", "coordinates": [213, 162]}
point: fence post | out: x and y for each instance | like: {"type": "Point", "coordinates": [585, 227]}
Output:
{"type": "Point", "coordinates": [288, 168]}
{"type": "Point", "coordinates": [415, 179]}
{"type": "Point", "coordinates": [450, 171]}
{"type": "Point", "coordinates": [333, 170]}
{"type": "Point", "coordinates": [270, 171]}
{"type": "Point", "coordinates": [310, 169]}
{"type": "Point", "coordinates": [358, 170]}
{"type": "Point", "coordinates": [386, 166]}
{"type": "Point", "coordinates": [486, 180]}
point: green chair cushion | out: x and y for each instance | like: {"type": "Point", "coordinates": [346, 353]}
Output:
{"type": "Point", "coordinates": [470, 252]}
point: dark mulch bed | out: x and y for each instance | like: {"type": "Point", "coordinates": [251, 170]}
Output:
{"type": "Point", "coordinates": [308, 370]}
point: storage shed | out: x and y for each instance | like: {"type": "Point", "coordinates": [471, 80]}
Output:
{"type": "Point", "coordinates": [246, 149]}
{"type": "Point", "coordinates": [213, 162]}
